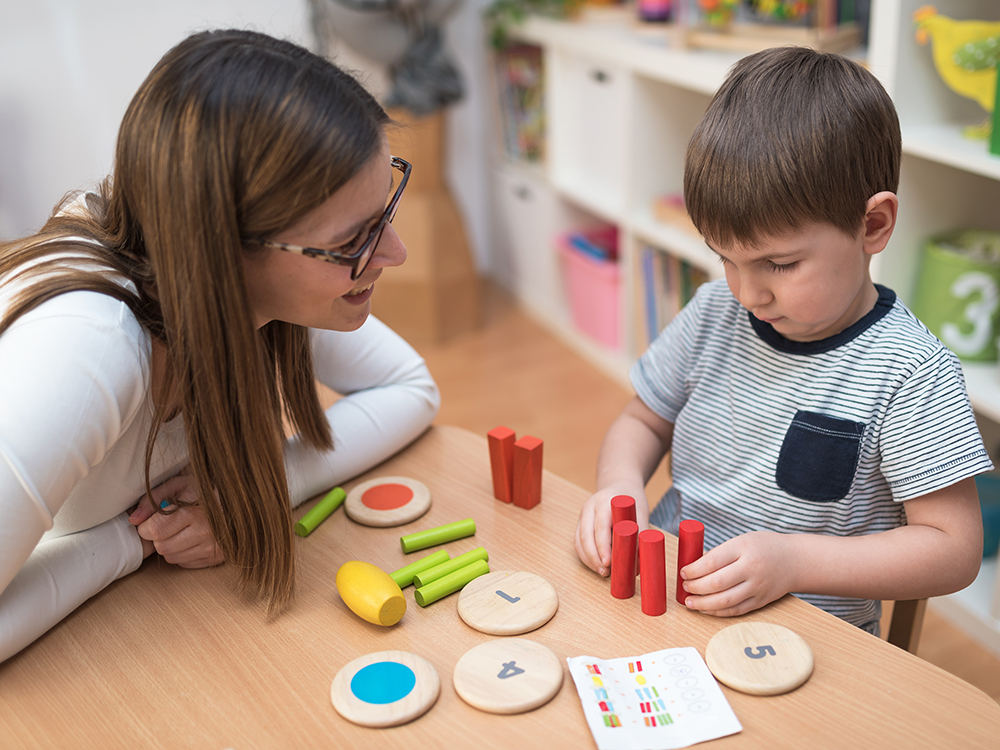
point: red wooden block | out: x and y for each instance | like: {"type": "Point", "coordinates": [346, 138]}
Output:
{"type": "Point", "coordinates": [652, 572]}
{"type": "Point", "coordinates": [502, 462]}
{"type": "Point", "coordinates": [690, 546]}
{"type": "Point", "coordinates": [527, 472]}
{"type": "Point", "coordinates": [623, 542]}
{"type": "Point", "coordinates": [622, 509]}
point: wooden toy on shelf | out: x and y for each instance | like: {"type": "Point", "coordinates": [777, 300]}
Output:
{"type": "Point", "coordinates": [965, 54]}
{"type": "Point", "coordinates": [809, 23]}
{"type": "Point", "coordinates": [690, 546]}
{"type": "Point", "coordinates": [528, 472]}
{"type": "Point", "coordinates": [501, 440]}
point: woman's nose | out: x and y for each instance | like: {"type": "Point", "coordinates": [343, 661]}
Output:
{"type": "Point", "coordinates": [390, 250]}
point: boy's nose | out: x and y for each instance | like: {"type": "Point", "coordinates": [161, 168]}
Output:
{"type": "Point", "coordinates": [752, 294]}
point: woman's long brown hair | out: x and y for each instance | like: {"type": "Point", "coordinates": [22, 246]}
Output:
{"type": "Point", "coordinates": [233, 136]}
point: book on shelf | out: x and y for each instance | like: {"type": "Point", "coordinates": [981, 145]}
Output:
{"type": "Point", "coordinates": [668, 283]}
{"type": "Point", "coordinates": [520, 100]}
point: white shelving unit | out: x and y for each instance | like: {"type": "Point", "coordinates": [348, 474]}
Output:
{"type": "Point", "coordinates": [620, 108]}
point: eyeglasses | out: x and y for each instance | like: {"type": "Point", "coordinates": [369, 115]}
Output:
{"type": "Point", "coordinates": [358, 261]}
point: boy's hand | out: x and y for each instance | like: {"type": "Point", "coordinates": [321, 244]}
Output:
{"type": "Point", "coordinates": [182, 537]}
{"type": "Point", "coordinates": [740, 575]}
{"type": "Point", "coordinates": [593, 530]}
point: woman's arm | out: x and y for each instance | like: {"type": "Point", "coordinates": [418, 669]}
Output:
{"type": "Point", "coordinates": [389, 400]}
{"type": "Point", "coordinates": [72, 380]}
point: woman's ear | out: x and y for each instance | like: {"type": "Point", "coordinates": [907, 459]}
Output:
{"type": "Point", "coordinates": [880, 220]}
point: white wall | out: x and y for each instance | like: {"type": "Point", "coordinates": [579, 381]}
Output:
{"type": "Point", "coordinates": [68, 69]}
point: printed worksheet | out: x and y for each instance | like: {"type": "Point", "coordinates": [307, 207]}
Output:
{"type": "Point", "coordinates": [659, 701]}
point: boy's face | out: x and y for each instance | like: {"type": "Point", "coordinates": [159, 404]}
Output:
{"type": "Point", "coordinates": [809, 284]}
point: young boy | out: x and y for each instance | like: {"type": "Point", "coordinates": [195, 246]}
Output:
{"type": "Point", "coordinates": [818, 430]}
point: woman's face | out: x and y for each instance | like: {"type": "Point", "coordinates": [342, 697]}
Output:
{"type": "Point", "coordinates": [313, 292]}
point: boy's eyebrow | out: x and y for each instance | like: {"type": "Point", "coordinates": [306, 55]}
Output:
{"type": "Point", "coordinates": [762, 256]}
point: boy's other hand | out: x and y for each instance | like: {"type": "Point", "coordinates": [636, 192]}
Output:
{"type": "Point", "coordinates": [593, 530]}
{"type": "Point", "coordinates": [740, 575]}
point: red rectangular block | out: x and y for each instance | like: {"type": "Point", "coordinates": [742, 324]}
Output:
{"type": "Point", "coordinates": [502, 462]}
{"type": "Point", "coordinates": [527, 472]}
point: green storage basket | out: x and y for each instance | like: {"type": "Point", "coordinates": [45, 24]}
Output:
{"type": "Point", "coordinates": [958, 292]}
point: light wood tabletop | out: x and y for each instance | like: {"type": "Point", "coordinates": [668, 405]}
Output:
{"type": "Point", "coordinates": [170, 658]}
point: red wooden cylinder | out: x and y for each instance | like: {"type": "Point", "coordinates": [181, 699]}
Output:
{"type": "Point", "coordinates": [622, 509]}
{"type": "Point", "coordinates": [690, 546]}
{"type": "Point", "coordinates": [652, 572]}
{"type": "Point", "coordinates": [623, 543]}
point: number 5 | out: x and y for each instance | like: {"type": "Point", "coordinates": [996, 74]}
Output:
{"type": "Point", "coordinates": [762, 651]}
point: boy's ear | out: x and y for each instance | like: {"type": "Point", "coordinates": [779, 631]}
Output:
{"type": "Point", "coordinates": [880, 220]}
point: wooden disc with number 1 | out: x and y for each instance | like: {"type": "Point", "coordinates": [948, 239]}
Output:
{"type": "Point", "coordinates": [759, 658]}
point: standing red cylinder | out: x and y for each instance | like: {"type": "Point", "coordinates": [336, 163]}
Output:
{"type": "Point", "coordinates": [652, 572]}
{"type": "Point", "coordinates": [622, 509]}
{"type": "Point", "coordinates": [623, 545]}
{"type": "Point", "coordinates": [690, 546]}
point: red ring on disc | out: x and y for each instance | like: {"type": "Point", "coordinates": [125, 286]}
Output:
{"type": "Point", "coordinates": [387, 496]}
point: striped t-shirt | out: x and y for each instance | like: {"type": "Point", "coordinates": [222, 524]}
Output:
{"type": "Point", "coordinates": [819, 437]}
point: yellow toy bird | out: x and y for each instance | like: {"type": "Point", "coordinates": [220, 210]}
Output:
{"type": "Point", "coordinates": [965, 54]}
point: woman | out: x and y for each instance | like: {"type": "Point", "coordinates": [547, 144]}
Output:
{"type": "Point", "coordinates": [153, 335]}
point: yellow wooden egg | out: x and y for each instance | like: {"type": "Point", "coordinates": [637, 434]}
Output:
{"type": "Point", "coordinates": [370, 593]}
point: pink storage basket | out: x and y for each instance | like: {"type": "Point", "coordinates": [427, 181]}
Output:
{"type": "Point", "coordinates": [593, 286]}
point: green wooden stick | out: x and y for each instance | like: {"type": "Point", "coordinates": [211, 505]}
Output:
{"type": "Point", "coordinates": [450, 583]}
{"type": "Point", "coordinates": [439, 535]}
{"type": "Point", "coordinates": [320, 512]}
{"type": "Point", "coordinates": [423, 577]}
{"type": "Point", "coordinates": [404, 576]}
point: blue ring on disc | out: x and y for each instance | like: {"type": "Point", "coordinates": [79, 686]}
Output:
{"type": "Point", "coordinates": [383, 682]}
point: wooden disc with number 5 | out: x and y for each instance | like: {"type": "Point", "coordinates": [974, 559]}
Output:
{"type": "Point", "coordinates": [759, 658]}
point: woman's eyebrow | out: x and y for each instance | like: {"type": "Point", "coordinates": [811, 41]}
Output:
{"type": "Point", "coordinates": [348, 234]}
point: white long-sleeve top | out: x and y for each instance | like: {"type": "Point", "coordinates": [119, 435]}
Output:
{"type": "Point", "coordinates": [75, 412]}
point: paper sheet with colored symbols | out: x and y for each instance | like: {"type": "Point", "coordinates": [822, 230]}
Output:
{"type": "Point", "coordinates": [658, 701]}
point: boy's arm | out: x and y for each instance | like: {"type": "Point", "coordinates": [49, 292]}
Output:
{"type": "Point", "coordinates": [632, 449]}
{"type": "Point", "coordinates": [938, 552]}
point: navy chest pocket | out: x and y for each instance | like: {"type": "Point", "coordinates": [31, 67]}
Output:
{"type": "Point", "coordinates": [819, 456]}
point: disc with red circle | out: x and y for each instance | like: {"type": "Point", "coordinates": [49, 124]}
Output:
{"type": "Point", "coordinates": [387, 501]}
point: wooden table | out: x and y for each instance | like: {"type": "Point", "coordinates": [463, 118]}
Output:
{"type": "Point", "coordinates": [169, 658]}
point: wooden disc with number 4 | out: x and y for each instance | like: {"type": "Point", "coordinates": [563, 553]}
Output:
{"type": "Point", "coordinates": [759, 658]}
{"type": "Point", "coordinates": [508, 676]}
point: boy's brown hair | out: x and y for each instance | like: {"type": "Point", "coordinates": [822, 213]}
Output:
{"type": "Point", "coordinates": [793, 136]}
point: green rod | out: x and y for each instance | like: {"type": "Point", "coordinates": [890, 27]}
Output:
{"type": "Point", "coordinates": [439, 535]}
{"type": "Point", "coordinates": [427, 575]}
{"type": "Point", "coordinates": [404, 576]}
{"type": "Point", "coordinates": [451, 583]}
{"type": "Point", "coordinates": [320, 512]}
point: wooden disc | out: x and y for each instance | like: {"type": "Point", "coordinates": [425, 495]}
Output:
{"type": "Point", "coordinates": [388, 501]}
{"type": "Point", "coordinates": [507, 602]}
{"type": "Point", "coordinates": [759, 658]}
{"type": "Point", "coordinates": [385, 689]}
{"type": "Point", "coordinates": [508, 676]}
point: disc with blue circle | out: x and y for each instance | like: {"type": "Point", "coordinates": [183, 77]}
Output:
{"type": "Point", "coordinates": [385, 689]}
